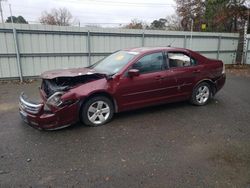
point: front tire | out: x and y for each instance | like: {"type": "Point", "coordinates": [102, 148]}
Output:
{"type": "Point", "coordinates": [97, 111]}
{"type": "Point", "coordinates": [201, 95]}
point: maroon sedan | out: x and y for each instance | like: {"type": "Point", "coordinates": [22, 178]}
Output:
{"type": "Point", "coordinates": [125, 80]}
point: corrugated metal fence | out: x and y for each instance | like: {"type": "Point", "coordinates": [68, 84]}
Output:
{"type": "Point", "coordinates": [42, 47]}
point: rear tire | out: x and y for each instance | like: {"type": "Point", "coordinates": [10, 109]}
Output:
{"type": "Point", "coordinates": [201, 95]}
{"type": "Point", "coordinates": [97, 111]}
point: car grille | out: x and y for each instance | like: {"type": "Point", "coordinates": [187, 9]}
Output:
{"type": "Point", "coordinates": [27, 106]}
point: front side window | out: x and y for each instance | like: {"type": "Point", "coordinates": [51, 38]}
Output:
{"type": "Point", "coordinates": [150, 63]}
{"type": "Point", "coordinates": [178, 59]}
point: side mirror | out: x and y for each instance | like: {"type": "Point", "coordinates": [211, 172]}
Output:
{"type": "Point", "coordinates": [133, 72]}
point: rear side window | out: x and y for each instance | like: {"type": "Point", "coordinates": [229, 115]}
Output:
{"type": "Point", "coordinates": [150, 63]}
{"type": "Point", "coordinates": [178, 59]}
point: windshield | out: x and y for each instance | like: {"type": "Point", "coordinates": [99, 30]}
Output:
{"type": "Point", "coordinates": [114, 63]}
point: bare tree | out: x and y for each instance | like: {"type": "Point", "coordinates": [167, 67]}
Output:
{"type": "Point", "coordinates": [136, 24]}
{"type": "Point", "coordinates": [173, 23]}
{"type": "Point", "coordinates": [60, 16]}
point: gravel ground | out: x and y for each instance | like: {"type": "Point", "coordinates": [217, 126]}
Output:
{"type": "Point", "coordinates": [173, 145]}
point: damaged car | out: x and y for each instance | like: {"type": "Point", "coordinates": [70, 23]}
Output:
{"type": "Point", "coordinates": [126, 80]}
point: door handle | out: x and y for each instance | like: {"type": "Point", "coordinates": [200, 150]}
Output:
{"type": "Point", "coordinates": [196, 71]}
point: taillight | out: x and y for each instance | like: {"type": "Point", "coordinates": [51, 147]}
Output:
{"type": "Point", "coordinates": [224, 68]}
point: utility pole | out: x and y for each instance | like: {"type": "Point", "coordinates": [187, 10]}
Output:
{"type": "Point", "coordinates": [19, 68]}
{"type": "Point", "coordinates": [191, 35]}
{"type": "Point", "coordinates": [1, 10]}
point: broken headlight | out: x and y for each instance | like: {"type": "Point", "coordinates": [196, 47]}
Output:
{"type": "Point", "coordinates": [55, 99]}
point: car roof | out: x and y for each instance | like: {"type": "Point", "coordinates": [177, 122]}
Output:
{"type": "Point", "coordinates": [145, 50]}
{"type": "Point", "coordinates": [152, 49]}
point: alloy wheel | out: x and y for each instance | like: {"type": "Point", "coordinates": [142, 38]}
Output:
{"type": "Point", "coordinates": [98, 112]}
{"type": "Point", "coordinates": [202, 94]}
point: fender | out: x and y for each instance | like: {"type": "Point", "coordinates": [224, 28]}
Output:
{"type": "Point", "coordinates": [208, 81]}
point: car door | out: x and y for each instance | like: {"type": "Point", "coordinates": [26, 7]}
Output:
{"type": "Point", "coordinates": [145, 89]}
{"type": "Point", "coordinates": [186, 69]}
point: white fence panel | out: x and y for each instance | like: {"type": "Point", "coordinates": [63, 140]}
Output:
{"type": "Point", "coordinates": [44, 47]}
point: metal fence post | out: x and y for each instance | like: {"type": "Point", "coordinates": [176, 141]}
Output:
{"type": "Point", "coordinates": [89, 48]}
{"type": "Point", "coordinates": [185, 41]}
{"type": "Point", "coordinates": [218, 47]}
{"type": "Point", "coordinates": [143, 38]}
{"type": "Point", "coordinates": [19, 68]}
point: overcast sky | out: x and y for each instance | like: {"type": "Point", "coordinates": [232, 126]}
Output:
{"type": "Point", "coordinates": [94, 11]}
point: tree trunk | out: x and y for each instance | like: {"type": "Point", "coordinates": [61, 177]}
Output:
{"type": "Point", "coordinates": [239, 52]}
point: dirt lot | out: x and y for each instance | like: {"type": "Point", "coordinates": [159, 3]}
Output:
{"type": "Point", "coordinates": [174, 145]}
{"type": "Point", "coordinates": [239, 70]}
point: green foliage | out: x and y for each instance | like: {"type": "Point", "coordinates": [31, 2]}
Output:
{"type": "Point", "coordinates": [158, 24]}
{"type": "Point", "coordinates": [225, 15]}
{"type": "Point", "coordinates": [215, 13]}
{"type": "Point", "coordinates": [218, 15]}
{"type": "Point", "coordinates": [18, 19]}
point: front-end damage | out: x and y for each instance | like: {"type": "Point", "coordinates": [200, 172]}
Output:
{"type": "Point", "coordinates": [46, 118]}
{"type": "Point", "coordinates": [62, 84]}
{"type": "Point", "coordinates": [55, 111]}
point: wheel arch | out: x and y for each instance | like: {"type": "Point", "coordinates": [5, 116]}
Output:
{"type": "Point", "coordinates": [100, 93]}
{"type": "Point", "coordinates": [208, 81]}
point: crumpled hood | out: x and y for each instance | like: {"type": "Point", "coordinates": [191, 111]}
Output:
{"type": "Point", "coordinates": [67, 73]}
{"type": "Point", "coordinates": [65, 79]}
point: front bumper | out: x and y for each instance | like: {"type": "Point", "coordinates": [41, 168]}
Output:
{"type": "Point", "coordinates": [36, 116]}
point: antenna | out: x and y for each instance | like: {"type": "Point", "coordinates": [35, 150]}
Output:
{"type": "Point", "coordinates": [171, 43]}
